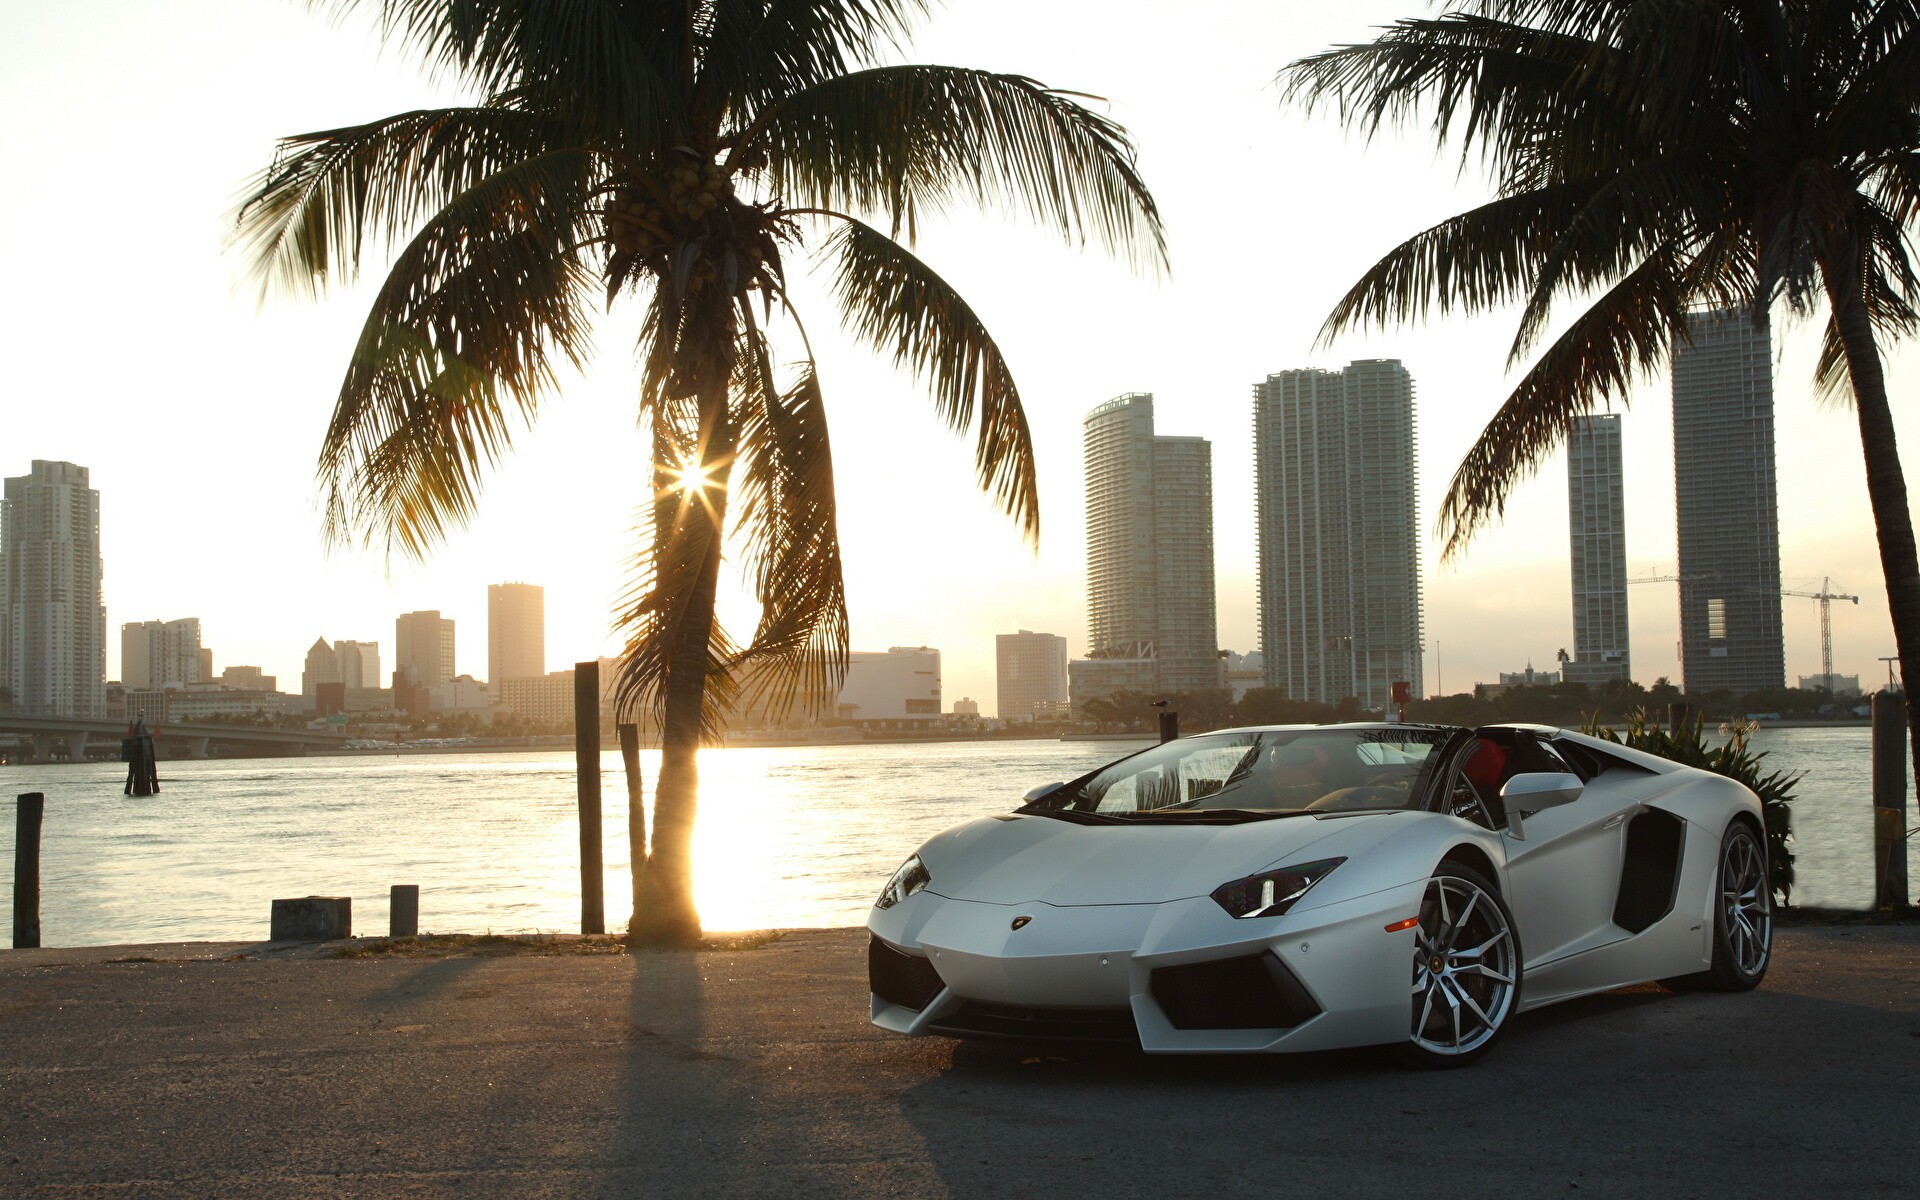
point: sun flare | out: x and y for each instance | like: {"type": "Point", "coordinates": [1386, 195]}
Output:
{"type": "Point", "coordinates": [695, 477]}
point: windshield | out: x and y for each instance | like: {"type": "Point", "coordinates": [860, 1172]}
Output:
{"type": "Point", "coordinates": [1278, 771]}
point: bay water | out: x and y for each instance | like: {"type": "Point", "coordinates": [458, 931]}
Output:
{"type": "Point", "coordinates": [787, 837]}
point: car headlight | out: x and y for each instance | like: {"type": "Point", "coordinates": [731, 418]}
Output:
{"type": "Point", "coordinates": [910, 878]}
{"type": "Point", "coordinates": [1271, 893]}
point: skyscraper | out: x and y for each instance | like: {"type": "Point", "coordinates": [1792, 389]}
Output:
{"type": "Point", "coordinates": [157, 653]}
{"type": "Point", "coordinates": [1725, 505]}
{"type": "Point", "coordinates": [359, 663]}
{"type": "Point", "coordinates": [1150, 595]}
{"type": "Point", "coordinates": [1597, 546]}
{"type": "Point", "coordinates": [423, 648]}
{"type": "Point", "coordinates": [53, 627]}
{"type": "Point", "coordinates": [1030, 674]}
{"type": "Point", "coordinates": [1340, 605]}
{"type": "Point", "coordinates": [516, 631]}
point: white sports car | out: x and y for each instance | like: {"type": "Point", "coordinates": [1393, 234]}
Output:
{"type": "Point", "coordinates": [1311, 887]}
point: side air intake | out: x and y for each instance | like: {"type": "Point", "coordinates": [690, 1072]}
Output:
{"type": "Point", "coordinates": [900, 978]}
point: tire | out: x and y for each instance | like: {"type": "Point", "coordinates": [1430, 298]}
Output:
{"type": "Point", "coordinates": [1742, 917]}
{"type": "Point", "coordinates": [1466, 971]}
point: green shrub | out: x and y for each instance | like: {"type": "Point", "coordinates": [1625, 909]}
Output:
{"type": "Point", "coordinates": [1737, 761]}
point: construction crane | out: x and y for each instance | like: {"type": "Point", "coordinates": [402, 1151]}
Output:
{"type": "Point", "coordinates": [1825, 597]}
{"type": "Point", "coordinates": [1683, 581]}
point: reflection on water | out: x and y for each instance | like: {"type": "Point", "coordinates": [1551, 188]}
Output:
{"type": "Point", "coordinates": [787, 837]}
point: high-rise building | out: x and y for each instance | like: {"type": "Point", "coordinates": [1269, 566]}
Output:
{"type": "Point", "coordinates": [156, 654]}
{"type": "Point", "coordinates": [516, 631]}
{"type": "Point", "coordinates": [1597, 546]}
{"type": "Point", "coordinates": [1726, 508]}
{"type": "Point", "coordinates": [53, 627]}
{"type": "Point", "coordinates": [1030, 674]}
{"type": "Point", "coordinates": [359, 663]}
{"type": "Point", "coordinates": [353, 665]}
{"type": "Point", "coordinates": [423, 648]}
{"type": "Point", "coordinates": [1339, 585]}
{"type": "Point", "coordinates": [1150, 594]}
{"type": "Point", "coordinates": [322, 666]}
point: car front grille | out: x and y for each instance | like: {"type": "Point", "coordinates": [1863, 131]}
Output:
{"type": "Point", "coordinates": [1255, 991]}
{"type": "Point", "coordinates": [900, 978]}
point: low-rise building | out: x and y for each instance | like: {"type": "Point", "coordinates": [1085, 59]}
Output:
{"type": "Point", "coordinates": [463, 693]}
{"type": "Point", "coordinates": [901, 685]}
{"type": "Point", "coordinates": [1091, 679]}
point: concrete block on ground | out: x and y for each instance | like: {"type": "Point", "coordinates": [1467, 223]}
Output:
{"type": "Point", "coordinates": [312, 919]}
{"type": "Point", "coordinates": [403, 910]}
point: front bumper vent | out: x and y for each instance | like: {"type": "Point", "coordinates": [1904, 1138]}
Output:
{"type": "Point", "coordinates": [1255, 991]}
{"type": "Point", "coordinates": [1009, 1023]}
{"type": "Point", "coordinates": [900, 978]}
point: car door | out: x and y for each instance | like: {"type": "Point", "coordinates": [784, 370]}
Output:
{"type": "Point", "coordinates": [1563, 873]}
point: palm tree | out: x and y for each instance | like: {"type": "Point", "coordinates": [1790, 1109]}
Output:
{"type": "Point", "coordinates": [670, 158]}
{"type": "Point", "coordinates": [1652, 156]}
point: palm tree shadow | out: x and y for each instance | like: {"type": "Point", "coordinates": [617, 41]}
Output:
{"type": "Point", "coordinates": [674, 1083]}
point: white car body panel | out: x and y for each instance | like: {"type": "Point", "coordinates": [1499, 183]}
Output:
{"type": "Point", "coordinates": [1106, 906]}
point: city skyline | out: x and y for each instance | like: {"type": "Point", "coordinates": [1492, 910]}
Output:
{"type": "Point", "coordinates": [560, 510]}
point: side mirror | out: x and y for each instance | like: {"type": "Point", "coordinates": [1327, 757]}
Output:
{"type": "Point", "coordinates": [1535, 790]}
{"type": "Point", "coordinates": [1042, 792]}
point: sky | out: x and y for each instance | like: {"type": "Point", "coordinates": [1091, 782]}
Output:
{"type": "Point", "coordinates": [136, 346]}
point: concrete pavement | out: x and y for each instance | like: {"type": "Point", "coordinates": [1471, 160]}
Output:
{"type": "Point", "coordinates": [754, 1073]}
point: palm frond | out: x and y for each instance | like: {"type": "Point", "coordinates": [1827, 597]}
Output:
{"type": "Point", "coordinates": [896, 303]}
{"type": "Point", "coordinates": [1624, 335]}
{"type": "Point", "coordinates": [908, 141]}
{"type": "Point", "coordinates": [330, 197]}
{"type": "Point", "coordinates": [1469, 263]}
{"type": "Point", "coordinates": [1487, 82]}
{"type": "Point", "coordinates": [465, 337]}
{"type": "Point", "coordinates": [784, 509]}
{"type": "Point", "coordinates": [666, 578]}
{"type": "Point", "coordinates": [610, 64]}
{"type": "Point", "coordinates": [761, 50]}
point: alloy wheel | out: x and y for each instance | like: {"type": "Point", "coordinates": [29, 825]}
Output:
{"type": "Point", "coordinates": [1463, 967]}
{"type": "Point", "coordinates": [1746, 903]}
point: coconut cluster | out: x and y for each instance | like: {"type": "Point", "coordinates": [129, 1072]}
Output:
{"type": "Point", "coordinates": [644, 218]}
{"type": "Point", "coordinates": [696, 191]}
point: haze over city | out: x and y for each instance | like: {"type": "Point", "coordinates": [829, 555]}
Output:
{"type": "Point", "coordinates": [140, 353]}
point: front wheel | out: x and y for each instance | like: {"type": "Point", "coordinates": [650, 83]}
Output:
{"type": "Point", "coordinates": [1466, 970]}
{"type": "Point", "coordinates": [1742, 917]}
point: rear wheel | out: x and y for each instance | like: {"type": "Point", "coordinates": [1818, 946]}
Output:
{"type": "Point", "coordinates": [1742, 917]}
{"type": "Point", "coordinates": [1466, 970]}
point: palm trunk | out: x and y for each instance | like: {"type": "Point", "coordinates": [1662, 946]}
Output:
{"type": "Point", "coordinates": [1886, 485]}
{"type": "Point", "coordinates": [664, 911]}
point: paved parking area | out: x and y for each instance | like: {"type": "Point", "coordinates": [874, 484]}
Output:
{"type": "Point", "coordinates": [754, 1073]}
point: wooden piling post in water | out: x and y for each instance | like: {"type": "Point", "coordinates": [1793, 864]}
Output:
{"type": "Point", "coordinates": [586, 765]}
{"type": "Point", "coordinates": [1889, 801]}
{"type": "Point", "coordinates": [636, 810]}
{"type": "Point", "coordinates": [29, 808]}
{"type": "Point", "coordinates": [1169, 725]}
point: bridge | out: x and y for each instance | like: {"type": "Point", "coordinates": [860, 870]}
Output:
{"type": "Point", "coordinates": [185, 740]}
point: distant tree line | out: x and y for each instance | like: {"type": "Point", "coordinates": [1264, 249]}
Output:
{"type": "Point", "coordinates": [1565, 704]}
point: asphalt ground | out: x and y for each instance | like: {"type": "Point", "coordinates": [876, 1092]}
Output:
{"type": "Point", "coordinates": [754, 1073]}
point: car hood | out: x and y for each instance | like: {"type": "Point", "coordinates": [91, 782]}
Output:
{"type": "Point", "coordinates": [1037, 858]}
